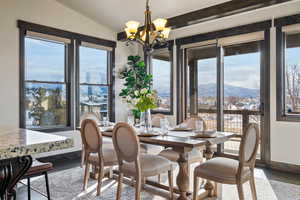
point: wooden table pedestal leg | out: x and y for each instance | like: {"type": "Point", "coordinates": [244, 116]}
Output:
{"type": "Point", "coordinates": [182, 179]}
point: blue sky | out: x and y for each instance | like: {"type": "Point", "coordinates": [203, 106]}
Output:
{"type": "Point", "coordinates": [239, 70]}
{"type": "Point", "coordinates": [45, 62]}
{"type": "Point", "coordinates": [292, 56]}
{"type": "Point", "coordinates": [161, 83]}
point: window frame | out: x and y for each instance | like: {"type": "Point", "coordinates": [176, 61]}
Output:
{"type": "Point", "coordinates": [281, 114]}
{"type": "Point", "coordinates": [110, 82]}
{"type": "Point", "coordinates": [170, 50]}
{"type": "Point", "coordinates": [71, 70]}
{"type": "Point", "coordinates": [68, 48]}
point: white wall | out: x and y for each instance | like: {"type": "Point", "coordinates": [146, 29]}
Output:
{"type": "Point", "coordinates": [44, 12]}
{"type": "Point", "coordinates": [285, 136]}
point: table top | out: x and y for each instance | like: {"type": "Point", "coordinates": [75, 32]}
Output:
{"type": "Point", "coordinates": [182, 139]}
{"type": "Point", "coordinates": [19, 142]}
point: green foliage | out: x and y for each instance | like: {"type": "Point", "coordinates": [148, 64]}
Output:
{"type": "Point", "coordinates": [41, 104]}
{"type": "Point", "coordinates": [137, 87]}
{"type": "Point", "coordinates": [57, 106]}
{"type": "Point", "coordinates": [37, 110]}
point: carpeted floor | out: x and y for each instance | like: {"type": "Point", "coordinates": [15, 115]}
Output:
{"type": "Point", "coordinates": [67, 185]}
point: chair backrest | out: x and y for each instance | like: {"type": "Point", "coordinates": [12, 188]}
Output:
{"type": "Point", "coordinates": [11, 171]}
{"type": "Point", "coordinates": [126, 142]}
{"type": "Point", "coordinates": [156, 119]}
{"type": "Point", "coordinates": [191, 122]}
{"type": "Point", "coordinates": [90, 115]}
{"type": "Point", "coordinates": [91, 136]}
{"type": "Point", "coordinates": [249, 146]}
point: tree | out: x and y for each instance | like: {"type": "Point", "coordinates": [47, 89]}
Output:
{"type": "Point", "coordinates": [36, 110]}
{"type": "Point", "coordinates": [57, 106]}
{"type": "Point", "coordinates": [292, 75]}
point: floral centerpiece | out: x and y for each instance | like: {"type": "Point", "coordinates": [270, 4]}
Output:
{"type": "Point", "coordinates": [137, 88]}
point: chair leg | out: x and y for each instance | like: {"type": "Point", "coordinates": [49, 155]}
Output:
{"type": "Point", "coordinates": [120, 182]}
{"type": "Point", "coordinates": [196, 186]}
{"type": "Point", "coordinates": [28, 188]}
{"type": "Point", "coordinates": [240, 191]}
{"type": "Point", "coordinates": [86, 175]}
{"type": "Point", "coordinates": [100, 177]}
{"type": "Point", "coordinates": [170, 176]}
{"type": "Point", "coordinates": [47, 185]}
{"type": "Point", "coordinates": [158, 178]}
{"type": "Point", "coordinates": [110, 174]}
{"type": "Point", "coordinates": [253, 189]}
{"type": "Point", "coordinates": [138, 184]}
{"type": "Point", "coordinates": [82, 157]}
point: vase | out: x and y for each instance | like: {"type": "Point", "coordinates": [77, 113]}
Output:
{"type": "Point", "coordinates": [145, 122]}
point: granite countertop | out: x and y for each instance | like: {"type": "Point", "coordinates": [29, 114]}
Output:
{"type": "Point", "coordinates": [19, 142]}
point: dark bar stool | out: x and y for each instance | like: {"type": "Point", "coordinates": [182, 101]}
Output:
{"type": "Point", "coordinates": [37, 169]}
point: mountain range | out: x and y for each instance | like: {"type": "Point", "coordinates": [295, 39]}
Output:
{"type": "Point", "coordinates": [209, 90]}
{"type": "Point", "coordinates": [229, 90]}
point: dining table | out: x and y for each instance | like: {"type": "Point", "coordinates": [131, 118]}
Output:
{"type": "Point", "coordinates": [183, 142]}
{"type": "Point", "coordinates": [16, 142]}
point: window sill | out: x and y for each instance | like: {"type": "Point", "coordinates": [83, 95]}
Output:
{"type": "Point", "coordinates": [289, 118]}
{"type": "Point", "coordinates": [161, 112]}
{"type": "Point", "coordinates": [51, 130]}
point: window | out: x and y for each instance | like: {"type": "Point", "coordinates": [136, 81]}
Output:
{"type": "Point", "coordinates": [162, 80]}
{"type": "Point", "coordinates": [94, 87]}
{"type": "Point", "coordinates": [288, 100]}
{"type": "Point", "coordinates": [46, 89]}
{"type": "Point", "coordinates": [63, 74]}
{"type": "Point", "coordinates": [202, 67]}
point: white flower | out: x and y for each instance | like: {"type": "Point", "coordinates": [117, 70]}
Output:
{"type": "Point", "coordinates": [128, 98]}
{"type": "Point", "coordinates": [136, 93]}
{"type": "Point", "coordinates": [135, 101]}
{"type": "Point", "coordinates": [144, 90]}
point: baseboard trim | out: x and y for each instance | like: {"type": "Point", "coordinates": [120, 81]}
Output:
{"type": "Point", "coordinates": [285, 167]}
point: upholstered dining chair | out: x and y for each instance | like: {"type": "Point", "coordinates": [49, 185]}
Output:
{"type": "Point", "coordinates": [191, 122]}
{"type": "Point", "coordinates": [156, 119]}
{"type": "Point", "coordinates": [194, 156]}
{"type": "Point", "coordinates": [230, 171]}
{"type": "Point", "coordinates": [96, 153]}
{"type": "Point", "coordinates": [96, 116]}
{"type": "Point", "coordinates": [134, 164]}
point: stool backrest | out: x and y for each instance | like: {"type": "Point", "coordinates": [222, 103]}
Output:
{"type": "Point", "coordinates": [11, 171]}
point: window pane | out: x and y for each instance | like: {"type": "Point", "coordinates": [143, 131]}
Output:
{"type": "Point", "coordinates": [207, 83]}
{"type": "Point", "coordinates": [93, 65]}
{"type": "Point", "coordinates": [241, 90]}
{"type": "Point", "coordinates": [162, 83]}
{"type": "Point", "coordinates": [292, 74]}
{"type": "Point", "coordinates": [44, 60]}
{"type": "Point", "coordinates": [45, 105]}
{"type": "Point", "coordinates": [242, 77]}
{"type": "Point", "coordinates": [94, 99]}
{"type": "Point", "coordinates": [207, 91]}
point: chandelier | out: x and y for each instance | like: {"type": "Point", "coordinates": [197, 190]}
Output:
{"type": "Point", "coordinates": [152, 34]}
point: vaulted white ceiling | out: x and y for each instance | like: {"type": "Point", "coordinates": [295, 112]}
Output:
{"type": "Point", "coordinates": [115, 13]}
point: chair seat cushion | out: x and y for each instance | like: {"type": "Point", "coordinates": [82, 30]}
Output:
{"type": "Point", "coordinates": [38, 167]}
{"type": "Point", "coordinates": [109, 156]}
{"type": "Point", "coordinates": [222, 170]}
{"type": "Point", "coordinates": [150, 149]}
{"type": "Point", "coordinates": [193, 156]}
{"type": "Point", "coordinates": [151, 165]}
